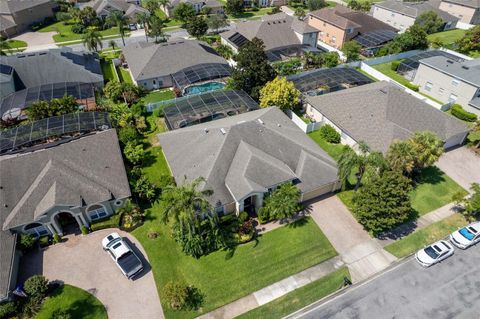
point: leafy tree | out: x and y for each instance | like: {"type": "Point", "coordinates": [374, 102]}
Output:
{"type": "Point", "coordinates": [430, 22]}
{"type": "Point", "coordinates": [401, 157]}
{"type": "Point", "coordinates": [282, 203]}
{"type": "Point", "coordinates": [197, 27]}
{"type": "Point", "coordinates": [217, 21]}
{"type": "Point", "coordinates": [113, 90]}
{"type": "Point", "coordinates": [359, 5]}
{"type": "Point", "coordinates": [352, 49]}
{"type": "Point", "coordinates": [75, 14]}
{"type": "Point", "coordinates": [279, 92]}
{"type": "Point", "coordinates": [383, 202]}
{"type": "Point", "coordinates": [291, 66]}
{"type": "Point", "coordinates": [127, 134]}
{"type": "Point", "coordinates": [143, 19]}
{"type": "Point", "coordinates": [206, 10]}
{"type": "Point", "coordinates": [117, 18]}
{"type": "Point", "coordinates": [316, 4]}
{"type": "Point", "coordinates": [144, 188]}
{"type": "Point", "coordinates": [156, 26]}
{"type": "Point", "coordinates": [151, 6]}
{"type": "Point", "coordinates": [330, 134]}
{"type": "Point", "coordinates": [330, 59]}
{"type": "Point", "coordinates": [87, 16]}
{"type": "Point", "coordinates": [234, 7]}
{"type": "Point", "coordinates": [128, 92]}
{"type": "Point", "coordinates": [63, 16]}
{"type": "Point", "coordinates": [134, 153]}
{"type": "Point", "coordinates": [427, 148]}
{"type": "Point", "coordinates": [252, 71]}
{"type": "Point", "coordinates": [471, 204]}
{"type": "Point", "coordinates": [184, 12]}
{"type": "Point", "coordinates": [412, 39]}
{"type": "Point", "coordinates": [225, 51]}
{"type": "Point", "coordinates": [92, 40]}
{"type": "Point", "coordinates": [43, 109]}
{"type": "Point", "coordinates": [470, 41]}
{"type": "Point", "coordinates": [300, 13]}
{"type": "Point", "coordinates": [36, 286]}
{"type": "Point", "coordinates": [8, 309]}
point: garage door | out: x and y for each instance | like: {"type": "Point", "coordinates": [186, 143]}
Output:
{"type": "Point", "coordinates": [455, 140]}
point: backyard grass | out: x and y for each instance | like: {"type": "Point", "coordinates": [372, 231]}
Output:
{"type": "Point", "coordinates": [433, 190]}
{"type": "Point", "coordinates": [250, 14]}
{"type": "Point", "coordinates": [368, 75]}
{"type": "Point", "coordinates": [124, 75]}
{"type": "Point", "coordinates": [77, 303]}
{"type": "Point", "coordinates": [334, 150]}
{"type": "Point", "coordinates": [225, 276]}
{"type": "Point", "coordinates": [425, 236]}
{"type": "Point", "coordinates": [300, 297]}
{"type": "Point", "coordinates": [447, 37]}
{"type": "Point", "coordinates": [108, 70]}
{"type": "Point", "coordinates": [64, 32]}
{"type": "Point", "coordinates": [157, 96]}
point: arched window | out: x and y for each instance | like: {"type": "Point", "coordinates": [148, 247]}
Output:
{"type": "Point", "coordinates": [36, 229]}
{"type": "Point", "coordinates": [97, 212]}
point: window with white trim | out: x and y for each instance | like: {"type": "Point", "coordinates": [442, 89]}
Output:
{"type": "Point", "coordinates": [36, 230]}
{"type": "Point", "coordinates": [97, 212]}
{"type": "Point", "coordinates": [452, 98]}
{"type": "Point", "coordinates": [428, 86]}
{"type": "Point", "coordinates": [455, 82]}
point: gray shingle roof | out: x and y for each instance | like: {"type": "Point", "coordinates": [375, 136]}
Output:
{"type": "Point", "coordinates": [7, 251]}
{"type": "Point", "coordinates": [468, 71]}
{"type": "Point", "coordinates": [111, 5]}
{"type": "Point", "coordinates": [249, 156]}
{"type": "Point", "coordinates": [55, 66]}
{"type": "Point", "coordinates": [379, 113]}
{"type": "Point", "coordinates": [466, 3]}
{"type": "Point", "coordinates": [83, 171]}
{"type": "Point", "coordinates": [6, 23]}
{"type": "Point", "coordinates": [414, 9]}
{"type": "Point", "coordinates": [14, 6]}
{"type": "Point", "coordinates": [149, 60]}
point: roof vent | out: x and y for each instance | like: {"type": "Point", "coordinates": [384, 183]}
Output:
{"type": "Point", "coordinates": [205, 130]}
{"type": "Point", "coordinates": [261, 122]}
{"type": "Point", "coordinates": [383, 90]}
{"type": "Point", "coordinates": [465, 67]}
{"type": "Point", "coordinates": [279, 125]}
{"type": "Point", "coordinates": [223, 131]}
{"type": "Point", "coordinates": [449, 61]}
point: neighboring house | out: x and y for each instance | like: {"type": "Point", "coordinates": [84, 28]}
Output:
{"type": "Point", "coordinates": [245, 157]}
{"type": "Point", "coordinates": [48, 74]}
{"type": "Point", "coordinates": [44, 190]}
{"type": "Point", "coordinates": [468, 11]}
{"type": "Point", "coordinates": [380, 113]}
{"type": "Point", "coordinates": [215, 6]}
{"type": "Point", "coordinates": [451, 81]}
{"type": "Point", "coordinates": [340, 24]}
{"type": "Point", "coordinates": [284, 36]}
{"type": "Point", "coordinates": [104, 7]}
{"type": "Point", "coordinates": [17, 16]}
{"type": "Point", "coordinates": [402, 15]}
{"type": "Point", "coordinates": [177, 63]}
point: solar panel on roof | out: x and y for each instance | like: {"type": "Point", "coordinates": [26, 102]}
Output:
{"type": "Point", "coordinates": [238, 39]}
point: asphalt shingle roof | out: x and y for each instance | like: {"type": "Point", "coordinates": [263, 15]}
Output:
{"type": "Point", "coordinates": [468, 71]}
{"type": "Point", "coordinates": [467, 3]}
{"type": "Point", "coordinates": [259, 149]}
{"type": "Point", "coordinates": [14, 6]}
{"type": "Point", "coordinates": [7, 251]}
{"type": "Point", "coordinates": [379, 113]}
{"type": "Point", "coordinates": [414, 9]}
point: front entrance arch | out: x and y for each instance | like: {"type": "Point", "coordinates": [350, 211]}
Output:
{"type": "Point", "coordinates": [67, 223]}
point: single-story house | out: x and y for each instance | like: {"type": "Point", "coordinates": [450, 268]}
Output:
{"type": "Point", "coordinates": [176, 63]}
{"type": "Point", "coordinates": [340, 24]}
{"type": "Point", "coordinates": [215, 6]}
{"type": "Point", "coordinates": [283, 35]}
{"type": "Point", "coordinates": [451, 81]}
{"type": "Point", "coordinates": [380, 113]}
{"type": "Point", "coordinates": [402, 15]}
{"type": "Point", "coordinates": [17, 16]}
{"type": "Point", "coordinates": [245, 157]}
{"type": "Point", "coordinates": [44, 191]}
{"type": "Point", "coordinates": [468, 11]}
{"type": "Point", "coordinates": [104, 7]}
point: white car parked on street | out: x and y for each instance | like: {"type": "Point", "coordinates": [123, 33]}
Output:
{"type": "Point", "coordinates": [434, 253]}
{"type": "Point", "coordinates": [466, 236]}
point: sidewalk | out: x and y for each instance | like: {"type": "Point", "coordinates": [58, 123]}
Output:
{"type": "Point", "coordinates": [274, 291]}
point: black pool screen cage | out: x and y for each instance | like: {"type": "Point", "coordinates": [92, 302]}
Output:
{"type": "Point", "coordinates": [199, 73]}
{"type": "Point", "coordinates": [375, 38]}
{"type": "Point", "coordinates": [200, 108]}
{"type": "Point", "coordinates": [321, 81]}
{"type": "Point", "coordinates": [408, 68]}
{"type": "Point", "coordinates": [52, 129]}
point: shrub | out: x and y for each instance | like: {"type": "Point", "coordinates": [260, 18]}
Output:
{"type": "Point", "coordinates": [329, 134]}
{"type": "Point", "coordinates": [412, 87]}
{"type": "Point", "coordinates": [243, 216]}
{"type": "Point", "coordinates": [394, 65]}
{"type": "Point", "coordinates": [26, 242]}
{"type": "Point", "coordinates": [127, 134]}
{"type": "Point", "coordinates": [61, 314]}
{"type": "Point", "coordinates": [112, 221]}
{"type": "Point", "coordinates": [152, 234]}
{"type": "Point", "coordinates": [263, 215]}
{"type": "Point", "coordinates": [175, 295]}
{"type": "Point", "coordinates": [36, 286]}
{"type": "Point", "coordinates": [132, 216]}
{"type": "Point", "coordinates": [84, 230]}
{"type": "Point", "coordinates": [78, 28]}
{"type": "Point", "coordinates": [56, 238]}
{"type": "Point", "coordinates": [8, 309]}
{"type": "Point", "coordinates": [43, 241]}
{"type": "Point", "coordinates": [458, 111]}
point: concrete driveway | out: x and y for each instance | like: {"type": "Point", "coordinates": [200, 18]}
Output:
{"type": "Point", "coordinates": [462, 165]}
{"type": "Point", "coordinates": [81, 261]}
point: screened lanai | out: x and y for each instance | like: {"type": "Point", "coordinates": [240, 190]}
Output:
{"type": "Point", "coordinates": [199, 73]}
{"type": "Point", "coordinates": [408, 67]}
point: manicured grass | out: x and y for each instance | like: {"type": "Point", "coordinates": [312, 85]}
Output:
{"type": "Point", "coordinates": [433, 190]}
{"type": "Point", "coordinates": [74, 301]}
{"type": "Point", "coordinates": [124, 75]}
{"type": "Point", "coordinates": [64, 32]}
{"type": "Point", "coordinates": [225, 276]}
{"type": "Point", "coordinates": [16, 46]}
{"type": "Point", "coordinates": [334, 150]}
{"type": "Point", "coordinates": [250, 14]}
{"type": "Point", "coordinates": [170, 22]}
{"type": "Point", "coordinates": [385, 68]}
{"type": "Point", "coordinates": [447, 37]}
{"type": "Point", "coordinates": [300, 297]}
{"type": "Point", "coordinates": [368, 75]}
{"type": "Point", "coordinates": [425, 236]}
{"type": "Point", "coordinates": [157, 96]}
{"type": "Point", "coordinates": [108, 70]}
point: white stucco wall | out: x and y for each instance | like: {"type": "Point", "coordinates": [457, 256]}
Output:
{"type": "Point", "coordinates": [395, 19]}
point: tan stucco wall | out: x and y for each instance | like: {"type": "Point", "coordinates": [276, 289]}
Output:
{"type": "Point", "coordinates": [465, 14]}
{"type": "Point", "coordinates": [25, 18]}
{"type": "Point", "coordinates": [320, 191]}
{"type": "Point", "coordinates": [328, 33]}
{"type": "Point", "coordinates": [464, 91]}
{"type": "Point", "coordinates": [394, 19]}
{"type": "Point", "coordinates": [229, 208]}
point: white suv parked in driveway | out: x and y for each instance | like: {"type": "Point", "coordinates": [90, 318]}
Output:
{"type": "Point", "coordinates": [466, 236]}
{"type": "Point", "coordinates": [123, 255]}
{"type": "Point", "coordinates": [434, 253]}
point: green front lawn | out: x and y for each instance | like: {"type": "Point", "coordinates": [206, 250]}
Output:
{"type": "Point", "coordinates": [447, 37]}
{"type": "Point", "coordinates": [433, 190]}
{"type": "Point", "coordinates": [300, 297]}
{"type": "Point", "coordinates": [64, 32]}
{"type": "Point", "coordinates": [77, 303]}
{"type": "Point", "coordinates": [426, 236]}
{"type": "Point", "coordinates": [225, 276]}
{"type": "Point", "coordinates": [250, 14]}
{"type": "Point", "coordinates": [16, 46]}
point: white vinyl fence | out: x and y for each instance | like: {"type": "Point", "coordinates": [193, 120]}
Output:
{"type": "Point", "coordinates": [307, 128]}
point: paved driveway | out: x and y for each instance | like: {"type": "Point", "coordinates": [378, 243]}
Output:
{"type": "Point", "coordinates": [81, 261]}
{"type": "Point", "coordinates": [462, 165]}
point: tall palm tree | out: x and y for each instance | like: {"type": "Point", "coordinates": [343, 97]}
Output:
{"type": "Point", "coordinates": [164, 4]}
{"type": "Point", "coordinates": [92, 40]}
{"type": "Point", "coordinates": [116, 18]}
{"type": "Point", "coordinates": [142, 18]}
{"type": "Point", "coordinates": [112, 44]}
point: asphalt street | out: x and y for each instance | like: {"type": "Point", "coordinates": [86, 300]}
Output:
{"type": "Point", "coordinates": [450, 289]}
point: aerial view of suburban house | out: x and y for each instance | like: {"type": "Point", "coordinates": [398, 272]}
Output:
{"type": "Point", "coordinates": [451, 81]}
{"type": "Point", "coordinates": [468, 11]}
{"type": "Point", "coordinates": [402, 15]}
{"type": "Point", "coordinates": [27, 78]}
{"type": "Point", "coordinates": [17, 16]}
{"type": "Point", "coordinates": [104, 7]}
{"type": "Point", "coordinates": [58, 186]}
{"type": "Point", "coordinates": [178, 63]}
{"type": "Point", "coordinates": [284, 36]}
{"type": "Point", "coordinates": [244, 157]}
{"type": "Point", "coordinates": [379, 113]}
{"type": "Point", "coordinates": [215, 6]}
{"type": "Point", "coordinates": [340, 24]}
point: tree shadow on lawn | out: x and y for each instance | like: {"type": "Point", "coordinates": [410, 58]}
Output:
{"type": "Point", "coordinates": [429, 175]}
{"type": "Point", "coordinates": [149, 159]}
{"type": "Point", "coordinates": [401, 230]}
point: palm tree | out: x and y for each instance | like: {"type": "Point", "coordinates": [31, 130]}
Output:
{"type": "Point", "coordinates": [116, 18]}
{"type": "Point", "coordinates": [164, 4]}
{"type": "Point", "coordinates": [112, 44]}
{"type": "Point", "coordinates": [427, 147]}
{"type": "Point", "coordinates": [183, 204]}
{"type": "Point", "coordinates": [92, 40]}
{"type": "Point", "coordinates": [283, 202]}
{"type": "Point", "coordinates": [401, 156]}
{"type": "Point", "coordinates": [142, 18]}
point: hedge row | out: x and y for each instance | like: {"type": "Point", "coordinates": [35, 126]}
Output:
{"type": "Point", "coordinates": [458, 111]}
{"type": "Point", "coordinates": [112, 221]}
